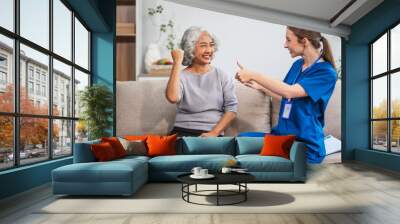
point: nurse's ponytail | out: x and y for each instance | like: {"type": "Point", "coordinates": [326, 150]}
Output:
{"type": "Point", "coordinates": [327, 52]}
{"type": "Point", "coordinates": [315, 39]}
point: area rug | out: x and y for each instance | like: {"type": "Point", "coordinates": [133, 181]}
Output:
{"type": "Point", "coordinates": [167, 198]}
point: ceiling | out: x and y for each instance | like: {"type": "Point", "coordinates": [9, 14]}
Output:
{"type": "Point", "coordinates": [328, 16]}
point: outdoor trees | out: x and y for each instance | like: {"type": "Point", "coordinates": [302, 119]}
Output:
{"type": "Point", "coordinates": [33, 131]}
{"type": "Point", "coordinates": [380, 127]}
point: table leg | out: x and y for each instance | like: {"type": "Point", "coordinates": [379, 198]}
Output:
{"type": "Point", "coordinates": [245, 193]}
{"type": "Point", "coordinates": [217, 194]}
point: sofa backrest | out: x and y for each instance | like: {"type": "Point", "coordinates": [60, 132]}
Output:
{"type": "Point", "coordinates": [196, 146]}
{"type": "Point", "coordinates": [143, 109]}
{"type": "Point", "coordinates": [249, 145]}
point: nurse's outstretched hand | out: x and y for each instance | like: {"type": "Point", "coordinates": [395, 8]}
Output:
{"type": "Point", "coordinates": [254, 85]}
{"type": "Point", "coordinates": [243, 75]}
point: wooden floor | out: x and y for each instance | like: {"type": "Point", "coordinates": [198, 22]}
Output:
{"type": "Point", "coordinates": [378, 188]}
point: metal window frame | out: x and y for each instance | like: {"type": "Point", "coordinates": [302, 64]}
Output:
{"type": "Point", "coordinates": [388, 74]}
{"type": "Point", "coordinates": [16, 114]}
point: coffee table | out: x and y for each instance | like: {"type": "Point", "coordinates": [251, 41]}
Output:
{"type": "Point", "coordinates": [238, 179]}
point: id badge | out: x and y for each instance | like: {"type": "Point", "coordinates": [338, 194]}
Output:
{"type": "Point", "coordinates": [286, 110]}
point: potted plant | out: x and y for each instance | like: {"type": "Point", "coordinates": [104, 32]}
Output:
{"type": "Point", "coordinates": [96, 102]}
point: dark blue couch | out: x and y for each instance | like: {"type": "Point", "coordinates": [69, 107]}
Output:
{"type": "Point", "coordinates": [125, 176]}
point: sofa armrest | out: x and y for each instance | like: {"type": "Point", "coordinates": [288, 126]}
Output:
{"type": "Point", "coordinates": [83, 152]}
{"type": "Point", "coordinates": [298, 157]}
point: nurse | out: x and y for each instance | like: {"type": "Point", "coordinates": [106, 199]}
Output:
{"type": "Point", "coordinates": [304, 92]}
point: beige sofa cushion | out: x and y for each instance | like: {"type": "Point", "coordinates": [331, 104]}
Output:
{"type": "Point", "coordinates": [143, 109]}
{"type": "Point", "coordinates": [253, 111]}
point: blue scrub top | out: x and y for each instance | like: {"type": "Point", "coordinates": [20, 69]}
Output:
{"type": "Point", "coordinates": [306, 119]}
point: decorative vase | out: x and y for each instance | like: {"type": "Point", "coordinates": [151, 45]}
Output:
{"type": "Point", "coordinates": [152, 55]}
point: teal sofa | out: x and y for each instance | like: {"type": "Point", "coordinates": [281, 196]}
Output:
{"type": "Point", "coordinates": [125, 176]}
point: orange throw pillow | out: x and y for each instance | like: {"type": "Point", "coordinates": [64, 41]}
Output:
{"type": "Point", "coordinates": [116, 145]}
{"type": "Point", "coordinates": [161, 145]}
{"type": "Point", "coordinates": [277, 145]}
{"type": "Point", "coordinates": [103, 152]}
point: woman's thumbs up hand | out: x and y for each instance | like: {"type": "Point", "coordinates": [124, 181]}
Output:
{"type": "Point", "coordinates": [177, 56]}
{"type": "Point", "coordinates": [243, 75]}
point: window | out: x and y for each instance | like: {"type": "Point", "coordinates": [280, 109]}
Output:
{"type": "Point", "coordinates": [81, 45]}
{"type": "Point", "coordinates": [62, 74]}
{"type": "Point", "coordinates": [44, 77]}
{"type": "Point", "coordinates": [81, 81]}
{"type": "Point", "coordinates": [6, 74]}
{"type": "Point", "coordinates": [30, 87]}
{"type": "Point", "coordinates": [3, 78]}
{"type": "Point", "coordinates": [62, 140]}
{"type": "Point", "coordinates": [30, 72]}
{"type": "Point", "coordinates": [3, 61]}
{"type": "Point", "coordinates": [62, 31]}
{"type": "Point", "coordinates": [35, 22]}
{"type": "Point", "coordinates": [38, 89]}
{"type": "Point", "coordinates": [7, 142]}
{"type": "Point", "coordinates": [37, 74]}
{"type": "Point", "coordinates": [45, 131]}
{"type": "Point", "coordinates": [44, 91]}
{"type": "Point", "coordinates": [7, 14]}
{"type": "Point", "coordinates": [385, 96]}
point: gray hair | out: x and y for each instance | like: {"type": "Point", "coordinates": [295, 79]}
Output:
{"type": "Point", "coordinates": [188, 43]}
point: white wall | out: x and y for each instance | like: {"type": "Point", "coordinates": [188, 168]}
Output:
{"type": "Point", "coordinates": [256, 44]}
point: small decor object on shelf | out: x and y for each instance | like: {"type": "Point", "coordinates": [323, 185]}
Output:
{"type": "Point", "coordinates": [152, 55]}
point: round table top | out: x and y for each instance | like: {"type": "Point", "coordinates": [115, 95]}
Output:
{"type": "Point", "coordinates": [220, 178]}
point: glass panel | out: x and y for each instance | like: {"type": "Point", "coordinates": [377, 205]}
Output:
{"type": "Point", "coordinates": [6, 142]}
{"type": "Point", "coordinates": [7, 14]}
{"type": "Point", "coordinates": [395, 95]}
{"type": "Point", "coordinates": [62, 89]}
{"type": "Point", "coordinates": [379, 55]}
{"type": "Point", "coordinates": [379, 97]}
{"type": "Point", "coordinates": [6, 74]}
{"type": "Point", "coordinates": [34, 97]}
{"type": "Point", "coordinates": [62, 138]}
{"type": "Point", "coordinates": [395, 135]}
{"type": "Point", "coordinates": [35, 21]}
{"type": "Point", "coordinates": [395, 47]}
{"type": "Point", "coordinates": [62, 29]}
{"type": "Point", "coordinates": [81, 45]}
{"type": "Point", "coordinates": [379, 135]}
{"type": "Point", "coordinates": [81, 131]}
{"type": "Point", "coordinates": [33, 139]}
{"type": "Point", "coordinates": [81, 81]}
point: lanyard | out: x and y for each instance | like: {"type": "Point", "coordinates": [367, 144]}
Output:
{"type": "Point", "coordinates": [300, 71]}
{"type": "Point", "coordinates": [309, 67]}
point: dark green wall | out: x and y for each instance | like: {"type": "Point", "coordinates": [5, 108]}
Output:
{"type": "Point", "coordinates": [355, 96]}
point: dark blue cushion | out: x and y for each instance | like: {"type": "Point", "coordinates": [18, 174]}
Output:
{"type": "Point", "coordinates": [83, 152]}
{"type": "Point", "coordinates": [249, 145]}
{"type": "Point", "coordinates": [111, 171]}
{"type": "Point", "coordinates": [208, 145]}
{"type": "Point", "coordinates": [184, 163]}
{"type": "Point", "coordinates": [257, 163]}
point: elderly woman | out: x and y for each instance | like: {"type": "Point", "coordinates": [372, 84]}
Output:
{"type": "Point", "coordinates": [204, 95]}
